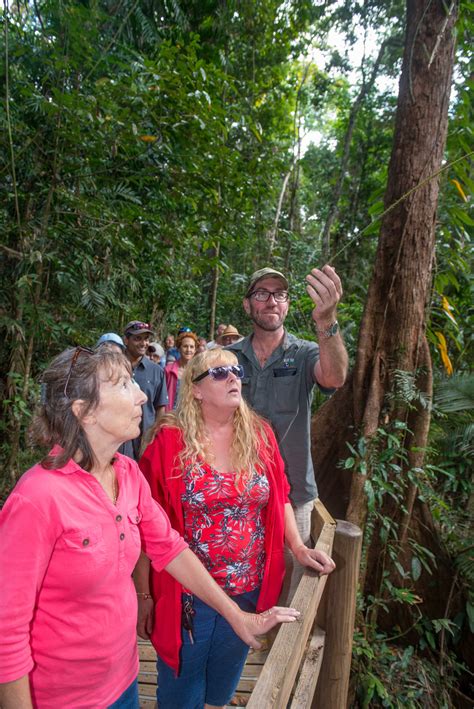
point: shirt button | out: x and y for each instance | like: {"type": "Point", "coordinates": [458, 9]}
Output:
{"type": "Point", "coordinates": [122, 536]}
{"type": "Point", "coordinates": [118, 518]}
{"type": "Point", "coordinates": [85, 542]}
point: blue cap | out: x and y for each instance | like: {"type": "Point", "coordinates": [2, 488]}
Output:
{"type": "Point", "coordinates": [110, 337]}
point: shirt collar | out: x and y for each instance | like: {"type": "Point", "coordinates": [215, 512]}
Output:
{"type": "Point", "coordinates": [72, 467]}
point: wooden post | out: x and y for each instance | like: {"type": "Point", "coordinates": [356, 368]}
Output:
{"type": "Point", "coordinates": [333, 684]}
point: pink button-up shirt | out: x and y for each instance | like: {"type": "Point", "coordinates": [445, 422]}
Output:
{"type": "Point", "coordinates": [68, 607]}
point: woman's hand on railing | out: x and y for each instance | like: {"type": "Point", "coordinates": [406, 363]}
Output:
{"type": "Point", "coordinates": [249, 625]}
{"type": "Point", "coordinates": [315, 559]}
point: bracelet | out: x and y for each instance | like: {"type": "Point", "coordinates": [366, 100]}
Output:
{"type": "Point", "coordinates": [145, 596]}
{"type": "Point", "coordinates": [332, 330]}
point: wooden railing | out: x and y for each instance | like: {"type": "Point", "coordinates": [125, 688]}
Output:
{"type": "Point", "coordinates": [319, 646]}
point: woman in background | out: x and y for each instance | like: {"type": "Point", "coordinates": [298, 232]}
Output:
{"type": "Point", "coordinates": [187, 343]}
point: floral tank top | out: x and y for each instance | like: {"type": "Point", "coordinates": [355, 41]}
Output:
{"type": "Point", "coordinates": [225, 525]}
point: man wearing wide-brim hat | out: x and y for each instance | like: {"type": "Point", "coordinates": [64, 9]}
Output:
{"type": "Point", "coordinates": [229, 336]}
{"type": "Point", "coordinates": [280, 372]}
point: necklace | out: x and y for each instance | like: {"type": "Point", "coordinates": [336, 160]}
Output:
{"type": "Point", "coordinates": [115, 490]}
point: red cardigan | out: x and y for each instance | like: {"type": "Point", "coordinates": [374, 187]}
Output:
{"type": "Point", "coordinates": [159, 464]}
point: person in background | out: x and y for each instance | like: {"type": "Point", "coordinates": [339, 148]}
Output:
{"type": "Point", "coordinates": [156, 353]}
{"type": "Point", "coordinates": [149, 377]}
{"type": "Point", "coordinates": [171, 352]}
{"type": "Point", "coordinates": [281, 371]}
{"type": "Point", "coordinates": [202, 344]}
{"type": "Point", "coordinates": [215, 343]}
{"type": "Point", "coordinates": [111, 340]}
{"type": "Point", "coordinates": [215, 467]}
{"type": "Point", "coordinates": [229, 336]}
{"type": "Point", "coordinates": [187, 343]}
{"type": "Point", "coordinates": [70, 534]}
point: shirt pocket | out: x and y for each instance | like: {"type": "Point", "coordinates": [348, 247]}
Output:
{"type": "Point", "coordinates": [285, 391]}
{"type": "Point", "coordinates": [134, 517]}
{"type": "Point", "coordinates": [83, 549]}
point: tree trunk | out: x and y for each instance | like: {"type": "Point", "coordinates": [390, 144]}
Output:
{"type": "Point", "coordinates": [213, 292]}
{"type": "Point", "coordinates": [392, 333]}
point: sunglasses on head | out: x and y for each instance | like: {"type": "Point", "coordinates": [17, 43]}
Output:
{"type": "Point", "coordinates": [138, 326]}
{"type": "Point", "coordinates": [221, 373]}
{"type": "Point", "coordinates": [77, 353]}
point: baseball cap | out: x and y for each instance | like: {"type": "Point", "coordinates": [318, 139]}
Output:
{"type": "Point", "coordinates": [137, 327]}
{"type": "Point", "coordinates": [266, 272]}
{"type": "Point", "coordinates": [155, 348]}
{"type": "Point", "coordinates": [110, 337]}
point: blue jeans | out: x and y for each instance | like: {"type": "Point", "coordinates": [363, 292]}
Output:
{"type": "Point", "coordinates": [128, 699]}
{"type": "Point", "coordinates": [211, 667]}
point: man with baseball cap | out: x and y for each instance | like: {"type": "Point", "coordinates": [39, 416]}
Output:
{"type": "Point", "coordinates": [280, 371]}
{"type": "Point", "coordinates": [149, 377]}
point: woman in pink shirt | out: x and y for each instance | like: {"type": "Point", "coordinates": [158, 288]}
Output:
{"type": "Point", "coordinates": [70, 536]}
{"type": "Point", "coordinates": [187, 344]}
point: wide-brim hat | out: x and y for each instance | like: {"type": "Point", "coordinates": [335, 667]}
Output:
{"type": "Point", "coordinates": [230, 331]}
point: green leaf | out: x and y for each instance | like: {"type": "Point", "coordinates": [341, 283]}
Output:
{"type": "Point", "coordinates": [369, 491]}
{"type": "Point", "coordinates": [470, 615]}
{"type": "Point", "coordinates": [415, 568]}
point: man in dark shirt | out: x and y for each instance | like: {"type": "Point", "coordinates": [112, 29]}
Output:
{"type": "Point", "coordinates": [149, 377]}
{"type": "Point", "coordinates": [280, 371]}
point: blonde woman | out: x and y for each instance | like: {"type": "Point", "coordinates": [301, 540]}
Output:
{"type": "Point", "coordinates": [215, 467]}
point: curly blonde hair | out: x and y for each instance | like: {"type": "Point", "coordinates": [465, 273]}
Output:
{"type": "Point", "coordinates": [249, 428]}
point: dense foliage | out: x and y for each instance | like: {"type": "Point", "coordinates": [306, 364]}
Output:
{"type": "Point", "coordinates": [155, 153]}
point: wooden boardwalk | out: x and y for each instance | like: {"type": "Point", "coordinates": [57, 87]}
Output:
{"type": "Point", "coordinates": [147, 676]}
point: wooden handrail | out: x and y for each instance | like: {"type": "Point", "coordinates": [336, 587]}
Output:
{"type": "Point", "coordinates": [277, 679]}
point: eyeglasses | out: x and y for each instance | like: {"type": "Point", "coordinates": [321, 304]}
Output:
{"type": "Point", "coordinates": [262, 295]}
{"type": "Point", "coordinates": [79, 350]}
{"type": "Point", "coordinates": [220, 374]}
{"type": "Point", "coordinates": [184, 329]}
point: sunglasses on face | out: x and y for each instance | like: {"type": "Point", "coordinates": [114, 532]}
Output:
{"type": "Point", "coordinates": [220, 374]}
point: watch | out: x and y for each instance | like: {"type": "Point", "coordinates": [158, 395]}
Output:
{"type": "Point", "coordinates": [330, 331]}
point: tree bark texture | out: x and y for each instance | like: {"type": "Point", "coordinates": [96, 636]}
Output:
{"type": "Point", "coordinates": [392, 334]}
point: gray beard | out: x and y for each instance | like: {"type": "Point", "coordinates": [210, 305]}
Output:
{"type": "Point", "coordinates": [266, 326]}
